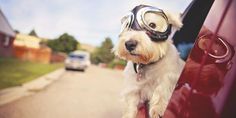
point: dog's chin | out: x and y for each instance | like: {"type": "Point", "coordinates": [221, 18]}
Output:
{"type": "Point", "coordinates": [136, 58]}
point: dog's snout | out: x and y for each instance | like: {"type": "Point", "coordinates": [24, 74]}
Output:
{"type": "Point", "coordinates": [131, 44]}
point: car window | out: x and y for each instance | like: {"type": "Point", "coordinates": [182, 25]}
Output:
{"type": "Point", "coordinates": [77, 56]}
{"type": "Point", "coordinates": [193, 18]}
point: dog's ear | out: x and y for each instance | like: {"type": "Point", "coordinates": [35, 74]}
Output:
{"type": "Point", "coordinates": [174, 19]}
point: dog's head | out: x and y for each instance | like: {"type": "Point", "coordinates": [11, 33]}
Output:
{"type": "Point", "coordinates": [144, 34]}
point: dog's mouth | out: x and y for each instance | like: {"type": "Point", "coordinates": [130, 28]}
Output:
{"type": "Point", "coordinates": [134, 54]}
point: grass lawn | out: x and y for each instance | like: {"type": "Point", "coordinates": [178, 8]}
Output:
{"type": "Point", "coordinates": [14, 72]}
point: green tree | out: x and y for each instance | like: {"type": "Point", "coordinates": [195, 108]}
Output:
{"type": "Point", "coordinates": [65, 43]}
{"type": "Point", "coordinates": [103, 53]}
{"type": "Point", "coordinates": [33, 33]}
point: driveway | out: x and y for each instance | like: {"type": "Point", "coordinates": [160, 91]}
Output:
{"type": "Point", "coordinates": [94, 93]}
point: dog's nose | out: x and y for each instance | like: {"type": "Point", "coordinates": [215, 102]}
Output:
{"type": "Point", "coordinates": [131, 44]}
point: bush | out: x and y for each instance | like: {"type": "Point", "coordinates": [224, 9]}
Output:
{"type": "Point", "coordinates": [103, 53]}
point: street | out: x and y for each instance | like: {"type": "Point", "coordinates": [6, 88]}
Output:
{"type": "Point", "coordinates": [94, 93]}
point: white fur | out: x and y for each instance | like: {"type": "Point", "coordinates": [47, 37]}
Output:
{"type": "Point", "coordinates": [159, 82]}
{"type": "Point", "coordinates": [158, 79]}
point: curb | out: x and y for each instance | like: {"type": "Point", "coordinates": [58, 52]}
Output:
{"type": "Point", "coordinates": [9, 95]}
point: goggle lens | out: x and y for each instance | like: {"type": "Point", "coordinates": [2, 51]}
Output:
{"type": "Point", "coordinates": [155, 21]}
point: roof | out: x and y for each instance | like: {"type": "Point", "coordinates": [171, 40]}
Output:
{"type": "Point", "coordinates": [27, 40]}
{"type": "Point", "coordinates": [5, 27]}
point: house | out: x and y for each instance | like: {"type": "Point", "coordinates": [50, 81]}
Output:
{"type": "Point", "coordinates": [27, 41]}
{"type": "Point", "coordinates": [31, 48]}
{"type": "Point", "coordinates": [7, 36]}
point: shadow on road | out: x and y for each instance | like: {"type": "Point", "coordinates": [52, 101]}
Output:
{"type": "Point", "coordinates": [78, 70]}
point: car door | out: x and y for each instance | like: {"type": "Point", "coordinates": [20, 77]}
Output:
{"type": "Point", "coordinates": [206, 87]}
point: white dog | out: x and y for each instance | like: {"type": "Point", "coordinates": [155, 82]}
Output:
{"type": "Point", "coordinates": [154, 64]}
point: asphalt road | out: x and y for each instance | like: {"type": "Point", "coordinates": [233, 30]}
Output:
{"type": "Point", "coordinates": [94, 93]}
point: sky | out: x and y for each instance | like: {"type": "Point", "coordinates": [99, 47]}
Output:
{"type": "Point", "coordinates": [89, 21]}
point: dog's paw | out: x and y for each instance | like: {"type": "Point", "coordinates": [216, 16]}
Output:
{"type": "Point", "coordinates": [155, 113]}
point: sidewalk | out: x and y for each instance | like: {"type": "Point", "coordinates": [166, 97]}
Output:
{"type": "Point", "coordinates": [11, 94]}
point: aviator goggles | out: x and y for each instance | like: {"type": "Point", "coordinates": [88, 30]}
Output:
{"type": "Point", "coordinates": [149, 19]}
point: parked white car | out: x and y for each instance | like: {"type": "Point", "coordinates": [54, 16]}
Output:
{"type": "Point", "coordinates": [77, 60]}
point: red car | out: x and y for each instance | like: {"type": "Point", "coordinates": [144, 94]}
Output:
{"type": "Point", "coordinates": [207, 85]}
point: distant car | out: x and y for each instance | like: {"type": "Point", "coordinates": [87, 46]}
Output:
{"type": "Point", "coordinates": [78, 60]}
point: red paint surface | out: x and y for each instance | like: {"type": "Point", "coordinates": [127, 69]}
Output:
{"type": "Point", "coordinates": [206, 80]}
